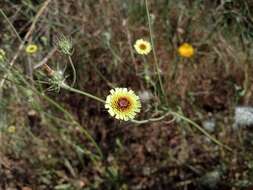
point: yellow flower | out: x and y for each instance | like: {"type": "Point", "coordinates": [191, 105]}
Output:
{"type": "Point", "coordinates": [31, 48]}
{"type": "Point", "coordinates": [186, 50]}
{"type": "Point", "coordinates": [2, 54]}
{"type": "Point", "coordinates": [11, 129]}
{"type": "Point", "coordinates": [142, 47]}
{"type": "Point", "coordinates": [123, 104]}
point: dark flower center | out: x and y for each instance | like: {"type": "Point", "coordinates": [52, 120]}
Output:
{"type": "Point", "coordinates": [143, 46]}
{"type": "Point", "coordinates": [123, 103]}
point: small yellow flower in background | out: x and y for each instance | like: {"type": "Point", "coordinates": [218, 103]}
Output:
{"type": "Point", "coordinates": [142, 47]}
{"type": "Point", "coordinates": [186, 50]}
{"type": "Point", "coordinates": [123, 104]}
{"type": "Point", "coordinates": [11, 129]}
{"type": "Point", "coordinates": [31, 48]}
{"type": "Point", "coordinates": [2, 54]}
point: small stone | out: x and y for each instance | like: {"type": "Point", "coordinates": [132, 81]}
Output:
{"type": "Point", "coordinates": [145, 96]}
{"type": "Point", "coordinates": [210, 180]}
{"type": "Point", "coordinates": [243, 116]}
{"type": "Point", "coordinates": [209, 125]}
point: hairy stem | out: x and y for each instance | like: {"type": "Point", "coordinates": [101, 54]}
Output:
{"type": "Point", "coordinates": [67, 87]}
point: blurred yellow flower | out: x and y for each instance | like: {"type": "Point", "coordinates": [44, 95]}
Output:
{"type": "Point", "coordinates": [142, 47]}
{"type": "Point", "coordinates": [11, 129]}
{"type": "Point", "coordinates": [186, 50]}
{"type": "Point", "coordinates": [2, 54]}
{"type": "Point", "coordinates": [123, 104]}
{"type": "Point", "coordinates": [31, 48]}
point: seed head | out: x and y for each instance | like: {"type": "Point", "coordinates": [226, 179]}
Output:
{"type": "Point", "coordinates": [64, 45]}
{"type": "Point", "coordinates": [57, 80]}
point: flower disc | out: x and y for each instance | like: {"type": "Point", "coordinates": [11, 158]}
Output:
{"type": "Point", "coordinates": [31, 48]}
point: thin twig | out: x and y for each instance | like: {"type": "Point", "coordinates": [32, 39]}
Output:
{"type": "Point", "coordinates": [11, 25]}
{"type": "Point", "coordinates": [45, 60]}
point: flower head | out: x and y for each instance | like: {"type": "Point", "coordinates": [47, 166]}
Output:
{"type": "Point", "coordinates": [31, 48]}
{"type": "Point", "coordinates": [65, 45]}
{"type": "Point", "coordinates": [57, 80]}
{"type": "Point", "coordinates": [11, 129]}
{"type": "Point", "coordinates": [2, 55]}
{"type": "Point", "coordinates": [142, 47]}
{"type": "Point", "coordinates": [123, 104]}
{"type": "Point", "coordinates": [186, 50]}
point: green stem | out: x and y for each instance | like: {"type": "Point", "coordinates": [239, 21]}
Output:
{"type": "Point", "coordinates": [200, 129]}
{"type": "Point", "coordinates": [151, 119]}
{"type": "Point", "coordinates": [153, 48]}
{"type": "Point", "coordinates": [246, 77]}
{"type": "Point", "coordinates": [73, 69]}
{"type": "Point", "coordinates": [67, 87]}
